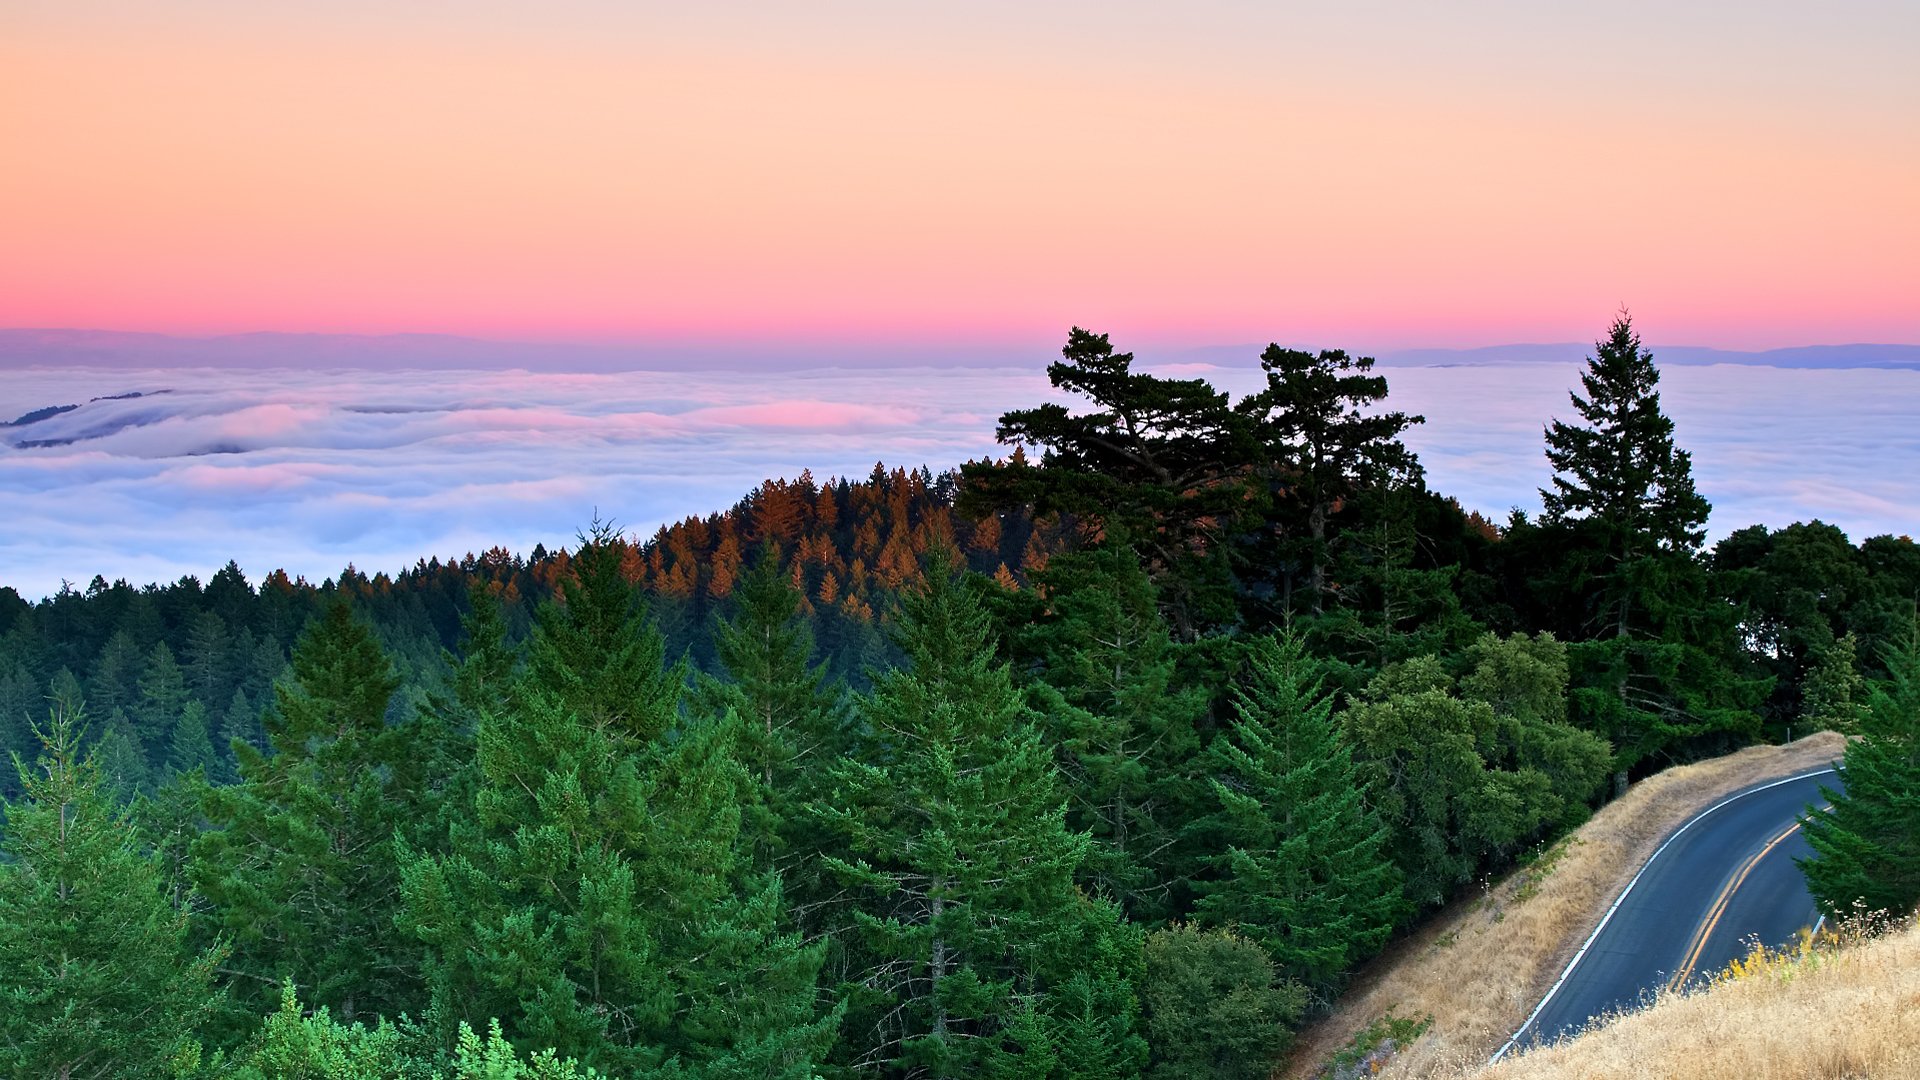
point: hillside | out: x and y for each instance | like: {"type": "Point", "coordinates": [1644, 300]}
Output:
{"type": "Point", "coordinates": [1479, 967]}
{"type": "Point", "coordinates": [1851, 1011]}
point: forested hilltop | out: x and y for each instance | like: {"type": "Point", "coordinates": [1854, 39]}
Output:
{"type": "Point", "coordinates": [1110, 758]}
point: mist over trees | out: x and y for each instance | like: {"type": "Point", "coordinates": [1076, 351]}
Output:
{"type": "Point", "coordinates": [1112, 757]}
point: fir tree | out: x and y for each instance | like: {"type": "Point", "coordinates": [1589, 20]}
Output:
{"type": "Point", "coordinates": [1658, 672]}
{"type": "Point", "coordinates": [124, 770]}
{"type": "Point", "coordinates": [96, 977]}
{"type": "Point", "coordinates": [298, 866]}
{"type": "Point", "coordinates": [1303, 867]}
{"type": "Point", "coordinates": [788, 720]}
{"type": "Point", "coordinates": [1126, 731]}
{"type": "Point", "coordinates": [1867, 847]}
{"type": "Point", "coordinates": [960, 865]}
{"type": "Point", "coordinates": [190, 749]}
{"type": "Point", "coordinates": [597, 901]}
{"type": "Point", "coordinates": [163, 695]}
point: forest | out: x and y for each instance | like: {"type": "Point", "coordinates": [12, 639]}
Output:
{"type": "Point", "coordinates": [1112, 757]}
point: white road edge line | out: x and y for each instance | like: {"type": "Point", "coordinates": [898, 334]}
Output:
{"type": "Point", "coordinates": [1608, 917]}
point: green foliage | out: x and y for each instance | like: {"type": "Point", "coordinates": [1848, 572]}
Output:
{"type": "Point", "coordinates": [597, 899]}
{"type": "Point", "coordinates": [1322, 439]}
{"type": "Point", "coordinates": [163, 697]}
{"type": "Point", "coordinates": [1126, 730]}
{"type": "Point", "coordinates": [1375, 1037]}
{"type": "Point", "coordinates": [1302, 866]}
{"type": "Point", "coordinates": [1867, 847]}
{"type": "Point", "coordinates": [789, 722]}
{"type": "Point", "coordinates": [96, 976]}
{"type": "Point", "coordinates": [1832, 699]}
{"type": "Point", "coordinates": [959, 868]}
{"type": "Point", "coordinates": [299, 865]}
{"type": "Point", "coordinates": [1466, 779]}
{"type": "Point", "coordinates": [1215, 1006]}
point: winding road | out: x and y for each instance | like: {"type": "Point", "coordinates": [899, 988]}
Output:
{"type": "Point", "coordinates": [1723, 879]}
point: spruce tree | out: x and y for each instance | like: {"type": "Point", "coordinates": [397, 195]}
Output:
{"type": "Point", "coordinates": [299, 866]}
{"type": "Point", "coordinates": [1831, 698]}
{"type": "Point", "coordinates": [1867, 847]}
{"type": "Point", "coordinates": [962, 914]}
{"type": "Point", "coordinates": [1303, 867]}
{"type": "Point", "coordinates": [597, 899]}
{"type": "Point", "coordinates": [96, 976]}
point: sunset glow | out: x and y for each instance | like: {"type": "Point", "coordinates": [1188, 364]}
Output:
{"type": "Point", "coordinates": [592, 172]}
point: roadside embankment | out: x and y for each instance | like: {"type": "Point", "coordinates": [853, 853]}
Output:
{"type": "Point", "coordinates": [1479, 967]}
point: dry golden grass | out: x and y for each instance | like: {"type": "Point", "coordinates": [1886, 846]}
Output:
{"type": "Point", "coordinates": [1854, 1012]}
{"type": "Point", "coordinates": [1480, 967]}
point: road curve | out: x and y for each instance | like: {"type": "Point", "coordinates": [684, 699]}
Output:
{"type": "Point", "coordinates": [1721, 880]}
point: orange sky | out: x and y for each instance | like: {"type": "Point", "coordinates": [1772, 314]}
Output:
{"type": "Point", "coordinates": [594, 171]}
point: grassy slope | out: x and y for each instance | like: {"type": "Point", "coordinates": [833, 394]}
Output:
{"type": "Point", "coordinates": [1854, 1012]}
{"type": "Point", "coordinates": [1480, 966]}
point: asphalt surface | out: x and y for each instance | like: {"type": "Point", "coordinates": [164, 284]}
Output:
{"type": "Point", "coordinates": [1720, 883]}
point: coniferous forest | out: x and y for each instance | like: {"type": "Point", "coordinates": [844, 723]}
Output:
{"type": "Point", "coordinates": [1113, 757]}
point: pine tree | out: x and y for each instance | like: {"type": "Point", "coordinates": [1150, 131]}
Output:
{"type": "Point", "coordinates": [596, 900]}
{"type": "Point", "coordinates": [959, 863]}
{"type": "Point", "coordinates": [96, 976]}
{"type": "Point", "coordinates": [1303, 867]}
{"type": "Point", "coordinates": [113, 681]}
{"type": "Point", "coordinates": [299, 865]}
{"type": "Point", "coordinates": [124, 770]}
{"type": "Point", "coordinates": [1867, 847]}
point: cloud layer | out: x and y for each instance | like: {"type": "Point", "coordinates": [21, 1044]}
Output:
{"type": "Point", "coordinates": [312, 470]}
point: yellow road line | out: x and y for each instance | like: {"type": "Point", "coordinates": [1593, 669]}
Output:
{"type": "Point", "coordinates": [1700, 936]}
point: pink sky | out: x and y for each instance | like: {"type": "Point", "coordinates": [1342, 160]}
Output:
{"type": "Point", "coordinates": [592, 171]}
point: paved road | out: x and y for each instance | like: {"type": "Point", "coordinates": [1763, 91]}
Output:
{"type": "Point", "coordinates": [1721, 881]}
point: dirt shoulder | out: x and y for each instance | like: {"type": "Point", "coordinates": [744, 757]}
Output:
{"type": "Point", "coordinates": [1480, 966]}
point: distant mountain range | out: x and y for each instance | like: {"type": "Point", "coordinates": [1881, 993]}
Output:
{"type": "Point", "coordinates": [107, 348]}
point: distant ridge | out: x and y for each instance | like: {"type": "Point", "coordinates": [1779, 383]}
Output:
{"type": "Point", "coordinates": [119, 349]}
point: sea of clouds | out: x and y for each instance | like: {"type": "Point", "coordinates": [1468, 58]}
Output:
{"type": "Point", "coordinates": [312, 470]}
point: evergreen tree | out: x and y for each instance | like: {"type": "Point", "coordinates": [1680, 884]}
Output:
{"type": "Point", "coordinates": [1866, 849]}
{"type": "Point", "coordinates": [1125, 729]}
{"type": "Point", "coordinates": [1215, 1006]}
{"type": "Point", "coordinates": [962, 913]}
{"type": "Point", "coordinates": [114, 680]}
{"type": "Point", "coordinates": [124, 771]}
{"type": "Point", "coordinates": [1658, 670]}
{"type": "Point", "coordinates": [1621, 470]}
{"type": "Point", "coordinates": [241, 723]}
{"type": "Point", "coordinates": [299, 865]}
{"type": "Point", "coordinates": [597, 899]}
{"type": "Point", "coordinates": [96, 977]}
{"type": "Point", "coordinates": [1833, 693]}
{"type": "Point", "coordinates": [1303, 867]}
{"type": "Point", "coordinates": [163, 695]}
{"type": "Point", "coordinates": [191, 747]}
{"type": "Point", "coordinates": [789, 722]}
{"type": "Point", "coordinates": [1324, 440]}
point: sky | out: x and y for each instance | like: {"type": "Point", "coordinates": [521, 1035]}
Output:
{"type": "Point", "coordinates": [868, 174]}
{"type": "Point", "coordinates": [310, 471]}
